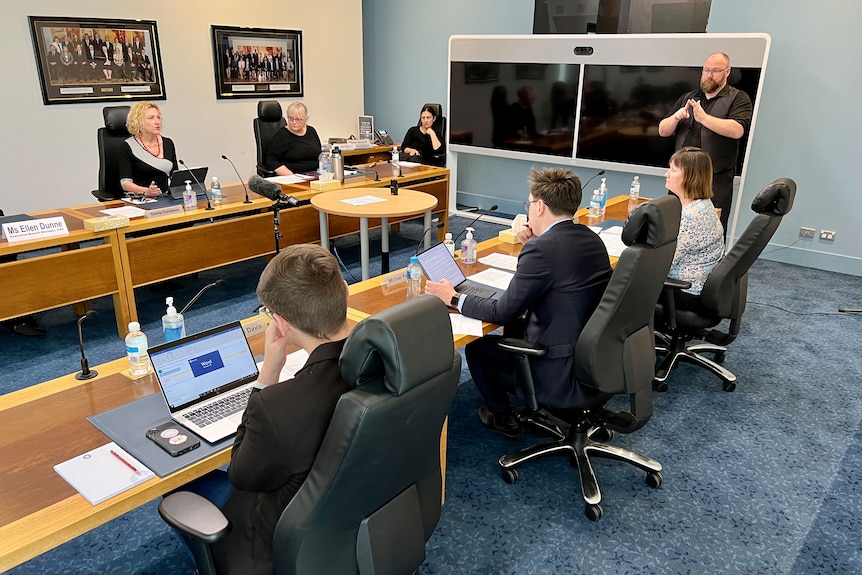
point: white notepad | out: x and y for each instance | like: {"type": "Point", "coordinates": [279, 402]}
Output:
{"type": "Point", "coordinates": [103, 472]}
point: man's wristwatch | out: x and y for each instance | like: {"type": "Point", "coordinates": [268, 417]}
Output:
{"type": "Point", "coordinates": [454, 301]}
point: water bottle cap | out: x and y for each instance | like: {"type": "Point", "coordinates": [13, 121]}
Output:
{"type": "Point", "coordinates": [134, 326]}
{"type": "Point", "coordinates": [215, 180]}
{"type": "Point", "coordinates": [448, 235]}
{"type": "Point", "coordinates": [414, 259]}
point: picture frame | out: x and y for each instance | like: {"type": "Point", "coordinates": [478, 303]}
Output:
{"type": "Point", "coordinates": [125, 61]}
{"type": "Point", "coordinates": [257, 62]}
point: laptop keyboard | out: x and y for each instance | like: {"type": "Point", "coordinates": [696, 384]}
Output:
{"type": "Point", "coordinates": [476, 290]}
{"type": "Point", "coordinates": [218, 410]}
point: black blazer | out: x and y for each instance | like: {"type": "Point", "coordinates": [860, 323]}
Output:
{"type": "Point", "coordinates": [560, 278]}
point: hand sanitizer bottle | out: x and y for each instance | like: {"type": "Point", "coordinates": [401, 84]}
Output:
{"type": "Point", "coordinates": [190, 201]}
{"type": "Point", "coordinates": [603, 197]}
{"type": "Point", "coordinates": [468, 248]}
{"type": "Point", "coordinates": [173, 324]}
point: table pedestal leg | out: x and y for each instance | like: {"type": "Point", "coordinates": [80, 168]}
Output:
{"type": "Point", "coordinates": [324, 230]}
{"type": "Point", "coordinates": [384, 245]}
{"type": "Point", "coordinates": [426, 223]}
{"type": "Point", "coordinates": [363, 247]}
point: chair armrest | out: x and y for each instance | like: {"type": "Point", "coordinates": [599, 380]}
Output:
{"type": "Point", "coordinates": [676, 284]}
{"type": "Point", "coordinates": [265, 172]}
{"type": "Point", "coordinates": [194, 516]}
{"type": "Point", "coordinates": [515, 345]}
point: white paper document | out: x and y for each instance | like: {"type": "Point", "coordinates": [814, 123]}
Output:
{"type": "Point", "coordinates": [408, 164]}
{"type": "Point", "coordinates": [103, 472]}
{"type": "Point", "coordinates": [363, 200]}
{"type": "Point", "coordinates": [494, 278]}
{"type": "Point", "coordinates": [292, 364]}
{"type": "Point", "coordinates": [128, 211]}
{"type": "Point", "coordinates": [291, 179]}
{"type": "Point", "coordinates": [501, 261]}
{"type": "Point", "coordinates": [612, 237]}
{"type": "Point", "coordinates": [465, 325]}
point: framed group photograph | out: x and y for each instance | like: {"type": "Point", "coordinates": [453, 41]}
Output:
{"type": "Point", "coordinates": [96, 59]}
{"type": "Point", "coordinates": [257, 62]}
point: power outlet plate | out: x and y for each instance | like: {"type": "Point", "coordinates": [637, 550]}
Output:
{"type": "Point", "coordinates": [806, 232]}
{"type": "Point", "coordinates": [827, 235]}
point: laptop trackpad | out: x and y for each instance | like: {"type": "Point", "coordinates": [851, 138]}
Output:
{"type": "Point", "coordinates": [236, 418]}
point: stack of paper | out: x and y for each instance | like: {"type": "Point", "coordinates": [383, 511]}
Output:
{"type": "Point", "coordinates": [103, 472]}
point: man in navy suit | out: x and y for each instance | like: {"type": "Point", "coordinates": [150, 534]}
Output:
{"type": "Point", "coordinates": [562, 272]}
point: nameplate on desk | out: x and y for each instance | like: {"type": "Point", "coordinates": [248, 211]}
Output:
{"type": "Point", "coordinates": [254, 327]}
{"type": "Point", "coordinates": [394, 279]}
{"type": "Point", "coordinates": [165, 211]}
{"type": "Point", "coordinates": [35, 229]}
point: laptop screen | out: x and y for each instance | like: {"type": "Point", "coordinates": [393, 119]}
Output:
{"type": "Point", "coordinates": [200, 366]}
{"type": "Point", "coordinates": [437, 263]}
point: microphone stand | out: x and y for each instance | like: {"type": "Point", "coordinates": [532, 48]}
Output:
{"type": "Point", "coordinates": [86, 372]}
{"type": "Point", "coordinates": [247, 201]}
{"type": "Point", "coordinates": [206, 195]}
{"type": "Point", "coordinates": [216, 283]}
{"type": "Point", "coordinates": [436, 226]}
{"type": "Point", "coordinates": [484, 213]}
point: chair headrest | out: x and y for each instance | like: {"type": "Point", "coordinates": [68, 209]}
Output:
{"type": "Point", "coordinates": [654, 223]}
{"type": "Point", "coordinates": [776, 198]}
{"type": "Point", "coordinates": [438, 109]}
{"type": "Point", "coordinates": [269, 110]}
{"type": "Point", "coordinates": [406, 344]}
{"type": "Point", "coordinates": [115, 118]}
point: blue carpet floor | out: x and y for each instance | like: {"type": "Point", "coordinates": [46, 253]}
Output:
{"type": "Point", "coordinates": [767, 479]}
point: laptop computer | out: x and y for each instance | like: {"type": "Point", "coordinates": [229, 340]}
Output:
{"type": "Point", "coordinates": [437, 263]}
{"type": "Point", "coordinates": [206, 379]}
{"type": "Point", "coordinates": [178, 182]}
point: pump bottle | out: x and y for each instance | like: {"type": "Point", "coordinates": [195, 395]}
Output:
{"type": "Point", "coordinates": [468, 248]}
{"type": "Point", "coordinates": [173, 324]}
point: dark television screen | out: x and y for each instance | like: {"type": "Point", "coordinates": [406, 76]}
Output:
{"type": "Point", "coordinates": [524, 107]}
{"type": "Point", "coordinates": [621, 107]}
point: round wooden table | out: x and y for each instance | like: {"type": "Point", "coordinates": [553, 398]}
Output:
{"type": "Point", "coordinates": [364, 203]}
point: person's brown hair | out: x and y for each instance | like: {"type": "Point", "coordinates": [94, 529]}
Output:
{"type": "Point", "coordinates": [696, 168]}
{"type": "Point", "coordinates": [558, 188]}
{"type": "Point", "coordinates": [304, 285]}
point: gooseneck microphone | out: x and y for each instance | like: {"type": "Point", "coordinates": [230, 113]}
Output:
{"type": "Point", "coordinates": [434, 226]}
{"type": "Point", "coordinates": [86, 372]}
{"type": "Point", "coordinates": [484, 212]}
{"type": "Point", "coordinates": [270, 190]}
{"type": "Point", "coordinates": [216, 283]}
{"type": "Point", "coordinates": [247, 201]}
{"type": "Point", "coordinates": [209, 206]}
{"type": "Point", "coordinates": [584, 185]}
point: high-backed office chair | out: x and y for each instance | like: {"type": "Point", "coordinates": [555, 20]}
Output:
{"type": "Point", "coordinates": [110, 139]}
{"type": "Point", "coordinates": [614, 355]}
{"type": "Point", "coordinates": [373, 496]}
{"type": "Point", "coordinates": [681, 320]}
{"type": "Point", "coordinates": [268, 122]}
{"type": "Point", "coordinates": [438, 159]}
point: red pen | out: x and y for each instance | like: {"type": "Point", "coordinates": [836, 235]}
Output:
{"type": "Point", "coordinates": [126, 463]}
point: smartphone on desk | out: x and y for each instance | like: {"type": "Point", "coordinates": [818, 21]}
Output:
{"type": "Point", "coordinates": [173, 438]}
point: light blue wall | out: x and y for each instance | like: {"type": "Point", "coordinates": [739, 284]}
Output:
{"type": "Point", "coordinates": [808, 124]}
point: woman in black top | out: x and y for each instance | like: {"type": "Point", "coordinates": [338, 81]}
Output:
{"type": "Point", "coordinates": [421, 143]}
{"type": "Point", "coordinates": [146, 159]}
{"type": "Point", "coordinates": [296, 148]}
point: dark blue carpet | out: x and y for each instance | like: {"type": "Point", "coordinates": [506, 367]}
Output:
{"type": "Point", "coordinates": [762, 480]}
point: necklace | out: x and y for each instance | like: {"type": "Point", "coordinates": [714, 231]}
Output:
{"type": "Point", "coordinates": [158, 146]}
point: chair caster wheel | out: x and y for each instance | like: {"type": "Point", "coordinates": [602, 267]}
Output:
{"type": "Point", "coordinates": [593, 512]}
{"type": "Point", "coordinates": [654, 480]}
{"type": "Point", "coordinates": [719, 357]}
{"type": "Point", "coordinates": [660, 386]}
{"type": "Point", "coordinates": [510, 476]}
{"type": "Point", "coordinates": [729, 386]}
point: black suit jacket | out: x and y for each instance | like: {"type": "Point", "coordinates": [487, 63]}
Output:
{"type": "Point", "coordinates": [276, 444]}
{"type": "Point", "coordinates": [560, 278]}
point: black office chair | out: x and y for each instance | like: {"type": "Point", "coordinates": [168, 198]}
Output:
{"type": "Point", "coordinates": [268, 122]}
{"type": "Point", "coordinates": [680, 320]}
{"type": "Point", "coordinates": [438, 159]}
{"type": "Point", "coordinates": [373, 496]}
{"type": "Point", "coordinates": [110, 139]}
{"type": "Point", "coordinates": [615, 355]}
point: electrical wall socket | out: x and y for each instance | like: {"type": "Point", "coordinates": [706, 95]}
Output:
{"type": "Point", "coordinates": [806, 232]}
{"type": "Point", "coordinates": [827, 235]}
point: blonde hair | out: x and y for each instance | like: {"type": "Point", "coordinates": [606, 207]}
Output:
{"type": "Point", "coordinates": [297, 106]}
{"type": "Point", "coordinates": [135, 119]}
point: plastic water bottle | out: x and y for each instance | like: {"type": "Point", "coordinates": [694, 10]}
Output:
{"type": "Point", "coordinates": [190, 201]}
{"type": "Point", "coordinates": [635, 189]}
{"type": "Point", "coordinates": [468, 248]}
{"type": "Point", "coordinates": [136, 350]}
{"type": "Point", "coordinates": [322, 161]}
{"type": "Point", "coordinates": [603, 198]}
{"type": "Point", "coordinates": [215, 192]}
{"type": "Point", "coordinates": [450, 245]}
{"type": "Point", "coordinates": [595, 205]}
{"type": "Point", "coordinates": [173, 324]}
{"type": "Point", "coordinates": [396, 162]}
{"type": "Point", "coordinates": [414, 278]}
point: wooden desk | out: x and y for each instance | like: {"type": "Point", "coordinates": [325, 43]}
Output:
{"type": "Point", "coordinates": [367, 156]}
{"type": "Point", "coordinates": [71, 276]}
{"type": "Point", "coordinates": [407, 203]}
